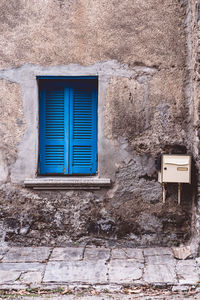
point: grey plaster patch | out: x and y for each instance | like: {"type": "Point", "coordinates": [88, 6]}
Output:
{"type": "Point", "coordinates": [158, 274]}
{"type": "Point", "coordinates": [124, 271]}
{"type": "Point", "coordinates": [27, 254]}
{"type": "Point", "coordinates": [88, 271]}
{"type": "Point", "coordinates": [67, 253]}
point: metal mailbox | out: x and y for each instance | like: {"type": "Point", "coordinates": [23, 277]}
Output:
{"type": "Point", "coordinates": [176, 168]}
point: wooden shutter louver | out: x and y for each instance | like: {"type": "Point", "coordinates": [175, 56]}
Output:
{"type": "Point", "coordinates": [52, 133]}
{"type": "Point", "coordinates": [68, 128]}
{"type": "Point", "coordinates": [83, 136]}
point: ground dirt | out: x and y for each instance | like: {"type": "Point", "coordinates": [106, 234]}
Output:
{"type": "Point", "coordinates": [143, 293]}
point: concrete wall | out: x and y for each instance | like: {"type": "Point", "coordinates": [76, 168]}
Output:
{"type": "Point", "coordinates": [139, 50]}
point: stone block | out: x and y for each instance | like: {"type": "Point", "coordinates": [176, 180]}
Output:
{"type": "Point", "coordinates": [180, 288]}
{"type": "Point", "coordinates": [157, 251]}
{"type": "Point", "coordinates": [159, 274]}
{"type": "Point", "coordinates": [66, 254]}
{"type": "Point", "coordinates": [31, 277]}
{"type": "Point", "coordinates": [3, 250]}
{"type": "Point", "coordinates": [8, 276]}
{"type": "Point", "coordinates": [87, 271]}
{"type": "Point", "coordinates": [27, 254]}
{"type": "Point", "coordinates": [21, 267]}
{"type": "Point", "coordinates": [93, 253]}
{"type": "Point", "coordinates": [187, 272]}
{"type": "Point", "coordinates": [160, 260]}
{"type": "Point", "coordinates": [128, 253]}
{"type": "Point", "coordinates": [124, 272]}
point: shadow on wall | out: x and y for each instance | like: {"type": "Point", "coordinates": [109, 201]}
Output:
{"type": "Point", "coordinates": [136, 214]}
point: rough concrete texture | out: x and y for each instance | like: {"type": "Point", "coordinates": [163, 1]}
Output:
{"type": "Point", "coordinates": [12, 125]}
{"type": "Point", "coordinates": [53, 32]}
{"type": "Point", "coordinates": [143, 108]}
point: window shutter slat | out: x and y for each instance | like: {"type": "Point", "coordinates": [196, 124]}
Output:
{"type": "Point", "coordinates": [52, 130]}
{"type": "Point", "coordinates": [83, 130]}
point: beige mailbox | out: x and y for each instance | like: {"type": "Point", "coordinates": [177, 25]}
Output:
{"type": "Point", "coordinates": [176, 168]}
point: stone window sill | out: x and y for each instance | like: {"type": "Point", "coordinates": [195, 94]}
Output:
{"type": "Point", "coordinates": [67, 183]}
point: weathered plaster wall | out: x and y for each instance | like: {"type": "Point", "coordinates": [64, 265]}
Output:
{"type": "Point", "coordinates": [53, 32]}
{"type": "Point", "coordinates": [138, 50]}
{"type": "Point", "coordinates": [12, 125]}
{"type": "Point", "coordinates": [193, 95]}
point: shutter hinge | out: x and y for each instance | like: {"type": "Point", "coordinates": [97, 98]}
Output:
{"type": "Point", "coordinates": [97, 157]}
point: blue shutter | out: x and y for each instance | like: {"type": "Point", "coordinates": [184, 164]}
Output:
{"type": "Point", "coordinates": [53, 129]}
{"type": "Point", "coordinates": [83, 130]}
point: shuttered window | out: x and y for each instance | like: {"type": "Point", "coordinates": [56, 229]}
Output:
{"type": "Point", "coordinates": [68, 126]}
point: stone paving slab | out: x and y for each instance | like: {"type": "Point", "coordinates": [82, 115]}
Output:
{"type": "Point", "coordinates": [158, 274]}
{"type": "Point", "coordinates": [3, 250]}
{"type": "Point", "coordinates": [31, 277]}
{"type": "Point", "coordinates": [67, 253]}
{"type": "Point", "coordinates": [124, 271]}
{"type": "Point", "coordinates": [187, 272]}
{"type": "Point", "coordinates": [128, 253]}
{"type": "Point", "coordinates": [103, 267]}
{"type": "Point", "coordinates": [21, 266]}
{"type": "Point", "coordinates": [159, 260]}
{"type": "Point", "coordinates": [97, 253]}
{"type": "Point", "coordinates": [9, 276]}
{"type": "Point", "coordinates": [26, 254]}
{"type": "Point", "coordinates": [87, 271]}
{"type": "Point", "coordinates": [157, 251]}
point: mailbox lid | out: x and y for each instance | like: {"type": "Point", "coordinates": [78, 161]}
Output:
{"type": "Point", "coordinates": [176, 160]}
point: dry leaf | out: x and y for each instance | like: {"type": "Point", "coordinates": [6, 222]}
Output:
{"type": "Point", "coordinates": [132, 291]}
{"type": "Point", "coordinates": [23, 292]}
{"type": "Point", "coordinates": [66, 291]}
{"type": "Point", "coordinates": [94, 292]}
{"type": "Point", "coordinates": [181, 252]}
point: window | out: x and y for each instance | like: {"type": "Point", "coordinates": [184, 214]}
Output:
{"type": "Point", "coordinates": [68, 125]}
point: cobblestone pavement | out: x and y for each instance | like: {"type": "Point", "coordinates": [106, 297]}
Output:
{"type": "Point", "coordinates": [96, 267]}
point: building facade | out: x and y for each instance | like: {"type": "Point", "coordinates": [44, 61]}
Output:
{"type": "Point", "coordinates": [136, 66]}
